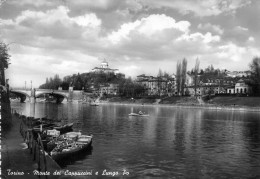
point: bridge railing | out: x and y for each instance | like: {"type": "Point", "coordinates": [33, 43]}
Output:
{"type": "Point", "coordinates": [37, 89]}
{"type": "Point", "coordinates": [54, 90]}
{"type": "Point", "coordinates": [19, 89]}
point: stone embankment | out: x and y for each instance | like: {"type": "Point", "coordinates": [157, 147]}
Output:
{"type": "Point", "coordinates": [18, 161]}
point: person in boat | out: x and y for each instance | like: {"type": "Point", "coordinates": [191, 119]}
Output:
{"type": "Point", "coordinates": [140, 113]}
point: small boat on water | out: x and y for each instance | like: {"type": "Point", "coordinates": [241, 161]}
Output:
{"type": "Point", "coordinates": [136, 114]}
{"type": "Point", "coordinates": [68, 148]}
{"type": "Point", "coordinates": [94, 104]}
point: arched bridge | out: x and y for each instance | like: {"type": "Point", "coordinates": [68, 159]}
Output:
{"type": "Point", "coordinates": [32, 94]}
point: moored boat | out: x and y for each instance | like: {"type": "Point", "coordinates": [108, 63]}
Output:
{"type": "Point", "coordinates": [67, 137]}
{"type": "Point", "coordinates": [49, 126]}
{"type": "Point", "coordinates": [65, 128]}
{"type": "Point", "coordinates": [69, 148]}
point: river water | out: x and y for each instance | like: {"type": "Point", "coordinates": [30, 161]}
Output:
{"type": "Point", "coordinates": [172, 142]}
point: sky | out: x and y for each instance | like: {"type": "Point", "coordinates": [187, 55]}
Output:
{"type": "Point", "coordinates": [48, 37]}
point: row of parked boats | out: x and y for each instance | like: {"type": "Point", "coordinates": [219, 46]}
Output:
{"type": "Point", "coordinates": [59, 140]}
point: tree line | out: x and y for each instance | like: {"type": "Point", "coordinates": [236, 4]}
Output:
{"type": "Point", "coordinates": [4, 87]}
{"type": "Point", "coordinates": [128, 87]}
{"type": "Point", "coordinates": [94, 81]}
{"type": "Point", "coordinates": [255, 76]}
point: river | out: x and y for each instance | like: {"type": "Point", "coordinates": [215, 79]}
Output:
{"type": "Point", "coordinates": [172, 142]}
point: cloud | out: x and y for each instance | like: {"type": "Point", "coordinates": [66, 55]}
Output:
{"type": "Point", "coordinates": [199, 37]}
{"type": "Point", "coordinates": [251, 39]}
{"type": "Point", "coordinates": [159, 37]}
{"type": "Point", "coordinates": [211, 28]}
{"type": "Point", "coordinates": [136, 37]}
{"type": "Point", "coordinates": [200, 7]}
{"type": "Point", "coordinates": [239, 28]}
{"type": "Point", "coordinates": [36, 3]}
{"type": "Point", "coordinates": [48, 29]}
{"type": "Point", "coordinates": [88, 20]}
{"type": "Point", "coordinates": [150, 27]}
{"type": "Point", "coordinates": [238, 35]}
{"type": "Point", "coordinates": [52, 17]}
{"type": "Point", "coordinates": [30, 63]}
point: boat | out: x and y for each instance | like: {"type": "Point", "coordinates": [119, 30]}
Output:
{"type": "Point", "coordinates": [136, 114]}
{"type": "Point", "coordinates": [49, 135]}
{"type": "Point", "coordinates": [65, 128]}
{"type": "Point", "coordinates": [49, 126]}
{"type": "Point", "coordinates": [67, 148]}
{"type": "Point", "coordinates": [53, 142]}
{"type": "Point", "coordinates": [94, 104]}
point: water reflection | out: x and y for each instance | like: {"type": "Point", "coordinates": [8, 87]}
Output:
{"type": "Point", "coordinates": [171, 142]}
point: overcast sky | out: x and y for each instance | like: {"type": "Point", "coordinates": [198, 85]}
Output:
{"type": "Point", "coordinates": [64, 37]}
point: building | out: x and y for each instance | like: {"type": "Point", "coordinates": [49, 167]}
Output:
{"type": "Point", "coordinates": [189, 80]}
{"type": "Point", "coordinates": [239, 74]}
{"type": "Point", "coordinates": [109, 89]}
{"type": "Point", "coordinates": [242, 87]}
{"type": "Point", "coordinates": [104, 68]}
{"type": "Point", "coordinates": [219, 86]}
{"type": "Point", "coordinates": [230, 89]}
{"type": "Point", "coordinates": [157, 85]}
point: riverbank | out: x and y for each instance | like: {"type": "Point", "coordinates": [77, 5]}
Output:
{"type": "Point", "coordinates": [17, 161]}
{"type": "Point", "coordinates": [229, 104]}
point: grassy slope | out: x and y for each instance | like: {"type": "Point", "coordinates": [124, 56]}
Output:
{"type": "Point", "coordinates": [241, 101]}
{"type": "Point", "coordinates": [179, 100]}
{"type": "Point", "coordinates": [226, 101]}
{"type": "Point", "coordinates": [129, 100]}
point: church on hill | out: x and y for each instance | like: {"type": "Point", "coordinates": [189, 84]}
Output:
{"type": "Point", "coordinates": [104, 69]}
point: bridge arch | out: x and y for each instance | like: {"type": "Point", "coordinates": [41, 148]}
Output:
{"type": "Point", "coordinates": [51, 93]}
{"type": "Point", "coordinates": [21, 94]}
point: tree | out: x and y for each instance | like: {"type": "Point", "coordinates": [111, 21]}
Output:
{"type": "Point", "coordinates": [196, 75]}
{"type": "Point", "coordinates": [167, 75]}
{"type": "Point", "coordinates": [160, 73]}
{"type": "Point", "coordinates": [4, 61]}
{"type": "Point", "coordinates": [178, 77]}
{"type": "Point", "coordinates": [255, 69]}
{"type": "Point", "coordinates": [56, 81]}
{"type": "Point", "coordinates": [159, 81]}
{"type": "Point", "coordinates": [47, 81]}
{"type": "Point", "coordinates": [78, 83]}
{"type": "Point", "coordinates": [183, 75]}
{"type": "Point", "coordinates": [4, 88]}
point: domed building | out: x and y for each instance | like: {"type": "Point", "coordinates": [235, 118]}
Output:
{"type": "Point", "coordinates": [104, 69]}
{"type": "Point", "coordinates": [104, 64]}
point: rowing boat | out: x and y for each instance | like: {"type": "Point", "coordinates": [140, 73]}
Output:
{"type": "Point", "coordinates": [136, 114]}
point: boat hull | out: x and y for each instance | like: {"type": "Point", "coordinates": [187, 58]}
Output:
{"type": "Point", "coordinates": [139, 115]}
{"type": "Point", "coordinates": [66, 154]}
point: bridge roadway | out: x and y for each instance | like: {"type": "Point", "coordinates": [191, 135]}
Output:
{"type": "Point", "coordinates": [34, 93]}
